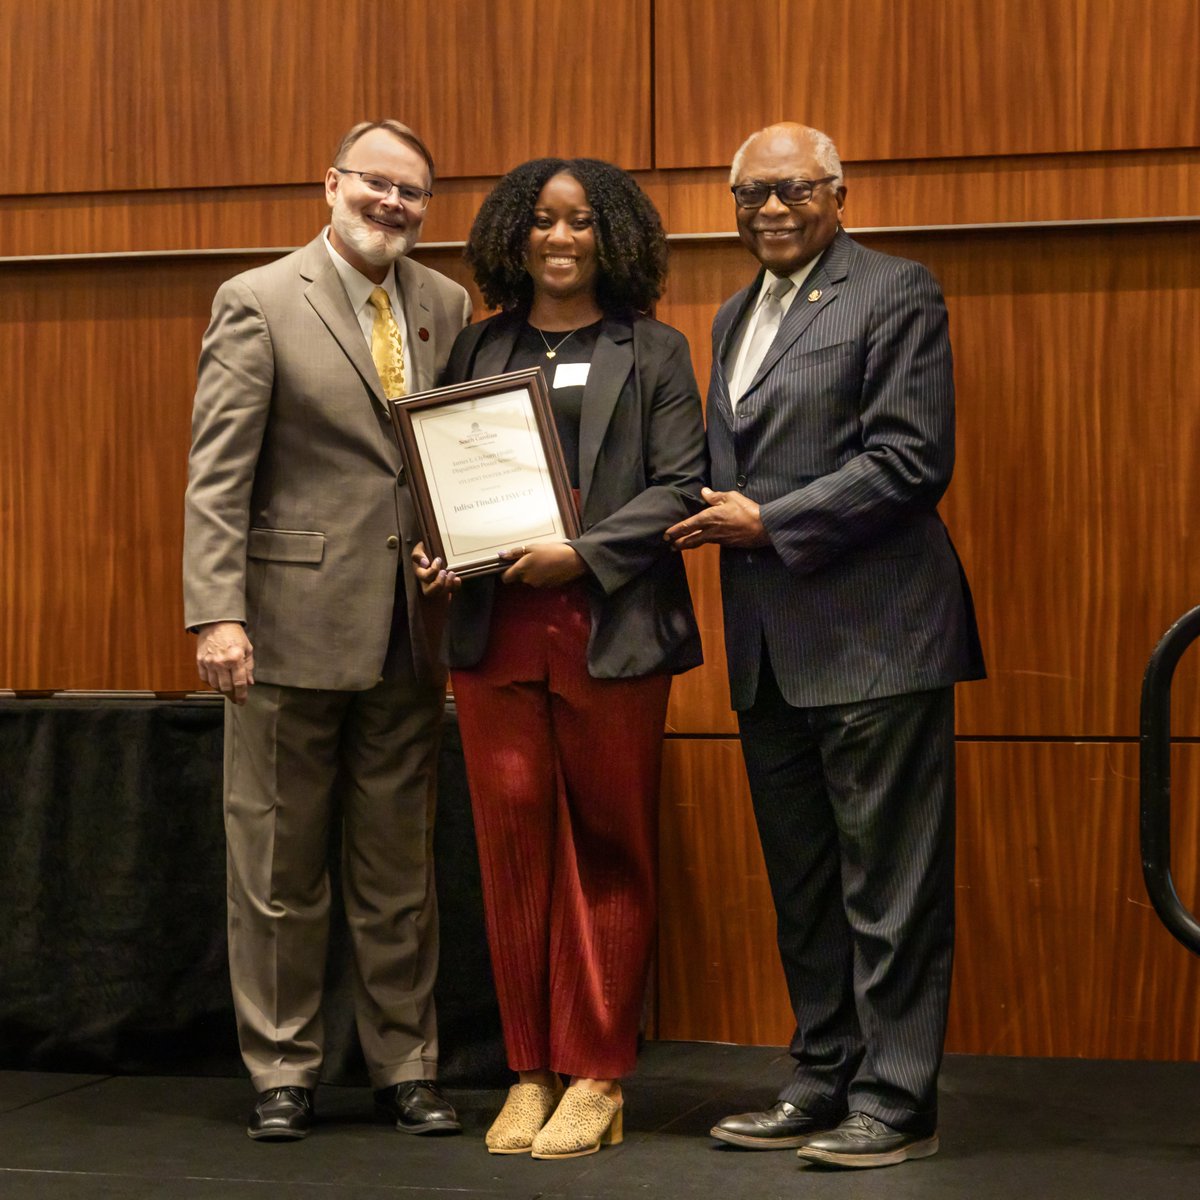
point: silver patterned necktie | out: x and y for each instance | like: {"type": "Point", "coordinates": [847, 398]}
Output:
{"type": "Point", "coordinates": [770, 314]}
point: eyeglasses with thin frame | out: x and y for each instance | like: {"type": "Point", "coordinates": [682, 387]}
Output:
{"type": "Point", "coordinates": [792, 192]}
{"type": "Point", "coordinates": [381, 186]}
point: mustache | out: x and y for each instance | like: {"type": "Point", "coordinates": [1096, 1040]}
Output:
{"type": "Point", "coordinates": [385, 221]}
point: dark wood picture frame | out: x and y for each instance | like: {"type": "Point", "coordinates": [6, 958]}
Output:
{"type": "Point", "coordinates": [552, 497]}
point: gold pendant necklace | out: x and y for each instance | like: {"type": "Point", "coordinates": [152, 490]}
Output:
{"type": "Point", "coordinates": [551, 351]}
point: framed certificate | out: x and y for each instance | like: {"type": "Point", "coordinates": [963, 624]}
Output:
{"type": "Point", "coordinates": [485, 469]}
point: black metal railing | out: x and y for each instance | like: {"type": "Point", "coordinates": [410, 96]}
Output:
{"type": "Point", "coordinates": [1156, 780]}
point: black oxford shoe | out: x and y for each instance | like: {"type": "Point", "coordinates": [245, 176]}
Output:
{"type": "Point", "coordinates": [781, 1127]}
{"type": "Point", "coordinates": [418, 1107]}
{"type": "Point", "coordinates": [863, 1141]}
{"type": "Point", "coordinates": [282, 1114]}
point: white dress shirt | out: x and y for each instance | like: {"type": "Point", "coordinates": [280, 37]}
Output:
{"type": "Point", "coordinates": [359, 288]}
{"type": "Point", "coordinates": [738, 384]}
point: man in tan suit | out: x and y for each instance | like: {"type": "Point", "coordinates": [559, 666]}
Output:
{"type": "Point", "coordinates": [298, 585]}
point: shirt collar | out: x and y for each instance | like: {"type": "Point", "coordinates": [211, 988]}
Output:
{"type": "Point", "coordinates": [358, 286]}
{"type": "Point", "coordinates": [797, 277]}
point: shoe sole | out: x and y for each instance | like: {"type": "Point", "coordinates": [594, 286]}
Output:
{"type": "Point", "coordinates": [925, 1148]}
{"type": "Point", "coordinates": [277, 1135]}
{"type": "Point", "coordinates": [746, 1142]}
{"type": "Point", "coordinates": [444, 1128]}
{"type": "Point", "coordinates": [569, 1153]}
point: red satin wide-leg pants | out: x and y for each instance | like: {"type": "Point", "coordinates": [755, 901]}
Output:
{"type": "Point", "coordinates": [564, 774]}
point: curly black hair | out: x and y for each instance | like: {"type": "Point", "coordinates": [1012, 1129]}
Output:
{"type": "Point", "coordinates": [631, 247]}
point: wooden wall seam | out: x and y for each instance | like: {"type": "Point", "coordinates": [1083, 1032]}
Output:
{"type": "Point", "coordinates": [1112, 223]}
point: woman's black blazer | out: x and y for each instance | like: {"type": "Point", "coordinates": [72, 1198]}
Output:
{"type": "Point", "coordinates": [642, 462]}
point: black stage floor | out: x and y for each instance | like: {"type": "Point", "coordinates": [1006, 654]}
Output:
{"type": "Point", "coordinates": [1058, 1129]}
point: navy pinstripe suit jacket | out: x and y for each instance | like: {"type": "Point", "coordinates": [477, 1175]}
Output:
{"type": "Point", "coordinates": [845, 438]}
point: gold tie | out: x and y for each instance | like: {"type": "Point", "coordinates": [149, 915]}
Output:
{"type": "Point", "coordinates": [386, 347]}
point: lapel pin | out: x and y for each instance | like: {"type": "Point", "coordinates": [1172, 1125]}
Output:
{"type": "Point", "coordinates": [423, 334]}
{"type": "Point", "coordinates": [814, 295]}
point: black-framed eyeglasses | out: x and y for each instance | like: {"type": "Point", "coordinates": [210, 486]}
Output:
{"type": "Point", "coordinates": [792, 192]}
{"type": "Point", "coordinates": [381, 186]}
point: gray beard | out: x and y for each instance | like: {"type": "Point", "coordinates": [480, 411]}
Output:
{"type": "Point", "coordinates": [373, 246]}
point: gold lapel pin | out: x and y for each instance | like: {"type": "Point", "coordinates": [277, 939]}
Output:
{"type": "Point", "coordinates": [814, 295]}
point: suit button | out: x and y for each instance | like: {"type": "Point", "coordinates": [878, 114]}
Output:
{"type": "Point", "coordinates": [400, 476]}
{"type": "Point", "coordinates": [393, 542]}
{"type": "Point", "coordinates": [741, 481]}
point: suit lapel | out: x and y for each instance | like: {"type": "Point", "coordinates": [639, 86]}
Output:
{"type": "Point", "coordinates": [418, 317]}
{"type": "Point", "coordinates": [818, 292]}
{"type": "Point", "coordinates": [747, 296]}
{"type": "Point", "coordinates": [328, 298]}
{"type": "Point", "coordinates": [722, 344]}
{"type": "Point", "coordinates": [491, 358]}
{"type": "Point", "coordinates": [612, 361]}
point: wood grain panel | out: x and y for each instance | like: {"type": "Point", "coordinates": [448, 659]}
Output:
{"type": "Point", "coordinates": [93, 460]}
{"type": "Point", "coordinates": [106, 96]}
{"type": "Point", "coordinates": [203, 219]}
{"type": "Point", "coordinates": [905, 79]}
{"type": "Point", "coordinates": [1066, 188]}
{"type": "Point", "coordinates": [1080, 187]}
{"type": "Point", "coordinates": [719, 977]}
{"type": "Point", "coordinates": [1137, 83]}
{"type": "Point", "coordinates": [175, 95]}
{"type": "Point", "coordinates": [528, 78]}
{"type": "Point", "coordinates": [718, 76]}
{"type": "Point", "coordinates": [1077, 369]}
{"type": "Point", "coordinates": [700, 699]}
{"type": "Point", "coordinates": [702, 276]}
{"type": "Point", "coordinates": [910, 79]}
{"type": "Point", "coordinates": [1058, 952]}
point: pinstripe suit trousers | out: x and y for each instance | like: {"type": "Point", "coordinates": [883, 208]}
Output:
{"type": "Point", "coordinates": [855, 809]}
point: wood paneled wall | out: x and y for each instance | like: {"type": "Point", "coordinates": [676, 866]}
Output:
{"type": "Point", "coordinates": [911, 79]}
{"type": "Point", "coordinates": [114, 95]}
{"type": "Point", "coordinates": [129, 127]}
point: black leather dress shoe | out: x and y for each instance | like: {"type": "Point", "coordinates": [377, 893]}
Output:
{"type": "Point", "coordinates": [418, 1107]}
{"type": "Point", "coordinates": [282, 1114]}
{"type": "Point", "coordinates": [781, 1127]}
{"type": "Point", "coordinates": [862, 1141]}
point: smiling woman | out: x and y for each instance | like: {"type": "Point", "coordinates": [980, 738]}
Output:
{"type": "Point", "coordinates": [561, 259]}
{"type": "Point", "coordinates": [630, 247]}
{"type": "Point", "coordinates": [562, 669]}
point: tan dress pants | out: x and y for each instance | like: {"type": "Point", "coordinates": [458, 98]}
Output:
{"type": "Point", "coordinates": [296, 760]}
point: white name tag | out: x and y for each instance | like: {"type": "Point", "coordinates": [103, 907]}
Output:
{"type": "Point", "coordinates": [571, 374]}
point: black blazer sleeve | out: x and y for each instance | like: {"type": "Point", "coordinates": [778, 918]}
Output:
{"type": "Point", "coordinates": [673, 462]}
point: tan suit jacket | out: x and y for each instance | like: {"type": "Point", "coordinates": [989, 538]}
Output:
{"type": "Point", "coordinates": [297, 512]}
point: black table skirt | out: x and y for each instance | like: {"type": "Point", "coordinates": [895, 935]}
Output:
{"type": "Point", "coordinates": [112, 900]}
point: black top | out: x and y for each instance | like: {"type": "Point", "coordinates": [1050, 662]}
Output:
{"type": "Point", "coordinates": [565, 402]}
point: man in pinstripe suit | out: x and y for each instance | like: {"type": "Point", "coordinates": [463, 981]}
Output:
{"type": "Point", "coordinates": [847, 622]}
